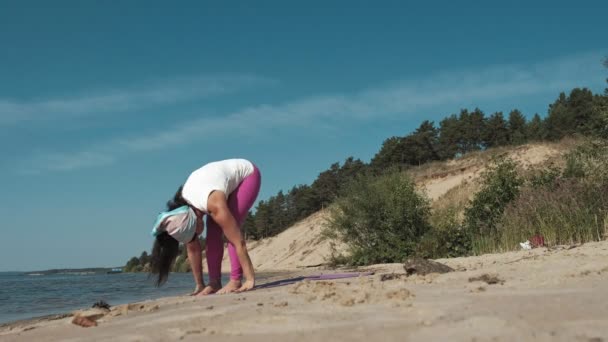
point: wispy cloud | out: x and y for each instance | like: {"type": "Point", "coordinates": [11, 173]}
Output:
{"type": "Point", "coordinates": [400, 98]}
{"type": "Point", "coordinates": [153, 94]}
{"type": "Point", "coordinates": [68, 162]}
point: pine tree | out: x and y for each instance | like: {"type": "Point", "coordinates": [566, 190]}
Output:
{"type": "Point", "coordinates": [497, 132]}
{"type": "Point", "coordinates": [388, 155]}
{"type": "Point", "coordinates": [325, 186]}
{"type": "Point", "coordinates": [534, 129]}
{"type": "Point", "coordinates": [606, 65]}
{"type": "Point", "coordinates": [262, 220]}
{"type": "Point", "coordinates": [424, 143]}
{"type": "Point", "coordinates": [350, 170]}
{"type": "Point", "coordinates": [249, 227]}
{"type": "Point", "coordinates": [571, 114]}
{"type": "Point", "coordinates": [603, 110]}
{"type": "Point", "coordinates": [517, 128]}
{"type": "Point", "coordinates": [475, 129]}
{"type": "Point", "coordinates": [449, 136]}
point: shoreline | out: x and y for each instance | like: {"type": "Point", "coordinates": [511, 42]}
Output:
{"type": "Point", "coordinates": [262, 275]}
{"type": "Point", "coordinates": [540, 294]}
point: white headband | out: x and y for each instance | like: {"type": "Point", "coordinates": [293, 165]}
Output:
{"type": "Point", "coordinates": [180, 223]}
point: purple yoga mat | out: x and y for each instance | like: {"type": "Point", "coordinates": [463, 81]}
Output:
{"type": "Point", "coordinates": [332, 276]}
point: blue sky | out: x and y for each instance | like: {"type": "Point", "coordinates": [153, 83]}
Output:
{"type": "Point", "coordinates": [105, 108]}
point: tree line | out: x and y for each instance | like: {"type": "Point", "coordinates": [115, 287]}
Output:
{"type": "Point", "coordinates": [581, 112]}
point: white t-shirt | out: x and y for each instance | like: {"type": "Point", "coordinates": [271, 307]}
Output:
{"type": "Point", "coordinates": [224, 176]}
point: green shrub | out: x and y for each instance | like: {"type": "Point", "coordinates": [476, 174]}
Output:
{"type": "Point", "coordinates": [182, 264]}
{"type": "Point", "coordinates": [566, 212]}
{"type": "Point", "coordinates": [564, 209]}
{"type": "Point", "coordinates": [500, 185]}
{"type": "Point", "coordinates": [381, 219]}
{"type": "Point", "coordinates": [131, 265]}
{"type": "Point", "coordinates": [444, 244]}
{"type": "Point", "coordinates": [337, 259]}
{"type": "Point", "coordinates": [588, 161]}
{"type": "Point", "coordinates": [446, 239]}
{"type": "Point", "coordinates": [544, 177]}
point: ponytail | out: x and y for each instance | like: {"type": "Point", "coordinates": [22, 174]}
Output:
{"type": "Point", "coordinates": [164, 253]}
{"type": "Point", "coordinates": [166, 248]}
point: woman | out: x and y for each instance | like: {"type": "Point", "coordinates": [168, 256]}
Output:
{"type": "Point", "coordinates": [224, 191]}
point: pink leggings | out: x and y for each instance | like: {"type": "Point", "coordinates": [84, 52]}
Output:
{"type": "Point", "coordinates": [239, 202]}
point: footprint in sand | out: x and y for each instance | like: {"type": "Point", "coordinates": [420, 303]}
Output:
{"type": "Point", "coordinates": [490, 279]}
{"type": "Point", "coordinates": [134, 307]}
{"type": "Point", "coordinates": [346, 294]}
{"type": "Point", "coordinates": [400, 294]}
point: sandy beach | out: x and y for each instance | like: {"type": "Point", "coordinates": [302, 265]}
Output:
{"type": "Point", "coordinates": [541, 295]}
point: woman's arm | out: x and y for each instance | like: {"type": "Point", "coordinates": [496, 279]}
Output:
{"type": "Point", "coordinates": [195, 257]}
{"type": "Point", "coordinates": [219, 211]}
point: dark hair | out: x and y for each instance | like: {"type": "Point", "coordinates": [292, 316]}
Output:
{"type": "Point", "coordinates": [166, 248]}
{"type": "Point", "coordinates": [177, 200]}
{"type": "Point", "coordinates": [164, 252]}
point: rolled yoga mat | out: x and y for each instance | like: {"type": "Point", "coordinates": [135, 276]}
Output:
{"type": "Point", "coordinates": [333, 276]}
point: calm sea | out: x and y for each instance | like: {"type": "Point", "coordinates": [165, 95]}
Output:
{"type": "Point", "coordinates": [25, 296]}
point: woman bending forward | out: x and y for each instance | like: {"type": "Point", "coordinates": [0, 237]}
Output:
{"type": "Point", "coordinates": [224, 191]}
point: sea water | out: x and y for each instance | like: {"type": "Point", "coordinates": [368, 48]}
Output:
{"type": "Point", "coordinates": [26, 296]}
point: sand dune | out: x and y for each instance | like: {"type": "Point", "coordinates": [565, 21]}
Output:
{"type": "Point", "coordinates": [438, 183]}
{"type": "Point", "coordinates": [302, 245]}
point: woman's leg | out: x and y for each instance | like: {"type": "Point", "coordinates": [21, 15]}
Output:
{"type": "Point", "coordinates": [214, 252]}
{"type": "Point", "coordinates": [239, 203]}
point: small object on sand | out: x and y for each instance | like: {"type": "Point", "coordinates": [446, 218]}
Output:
{"type": "Point", "coordinates": [537, 241]}
{"type": "Point", "coordinates": [489, 279]}
{"type": "Point", "coordinates": [84, 321]}
{"type": "Point", "coordinates": [423, 266]}
{"type": "Point", "coordinates": [525, 245]}
{"type": "Point", "coordinates": [101, 305]}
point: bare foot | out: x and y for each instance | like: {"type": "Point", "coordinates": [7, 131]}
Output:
{"type": "Point", "coordinates": [209, 289]}
{"type": "Point", "coordinates": [232, 286]}
{"type": "Point", "coordinates": [197, 290]}
{"type": "Point", "coordinates": [247, 285]}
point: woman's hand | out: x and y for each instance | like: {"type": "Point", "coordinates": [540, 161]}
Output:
{"type": "Point", "coordinates": [247, 285]}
